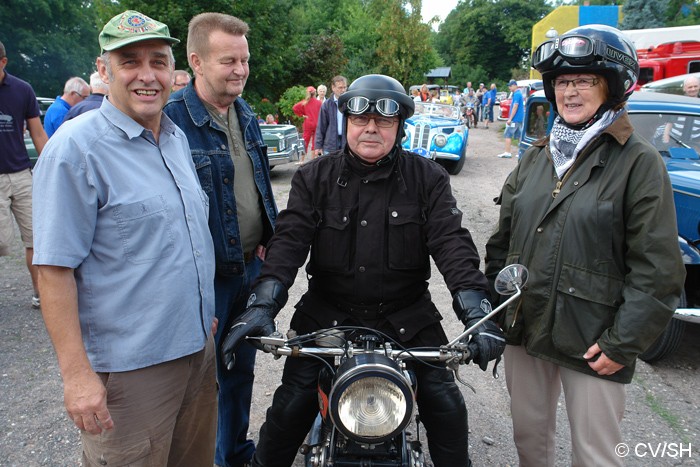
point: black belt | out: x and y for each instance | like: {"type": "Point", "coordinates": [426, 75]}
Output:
{"type": "Point", "coordinates": [249, 256]}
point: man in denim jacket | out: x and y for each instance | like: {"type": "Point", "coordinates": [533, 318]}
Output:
{"type": "Point", "coordinates": [231, 161]}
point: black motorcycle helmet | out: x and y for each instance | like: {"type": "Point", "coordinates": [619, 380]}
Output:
{"type": "Point", "coordinates": [377, 94]}
{"type": "Point", "coordinates": [596, 49]}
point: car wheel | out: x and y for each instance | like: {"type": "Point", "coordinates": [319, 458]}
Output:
{"type": "Point", "coordinates": [455, 167]}
{"type": "Point", "coordinates": [669, 340]}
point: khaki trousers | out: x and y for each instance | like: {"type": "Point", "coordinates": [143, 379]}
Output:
{"type": "Point", "coordinates": [594, 407]}
{"type": "Point", "coordinates": [164, 415]}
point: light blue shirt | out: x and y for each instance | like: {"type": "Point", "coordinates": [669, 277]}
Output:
{"type": "Point", "coordinates": [128, 214]}
{"type": "Point", "coordinates": [339, 120]}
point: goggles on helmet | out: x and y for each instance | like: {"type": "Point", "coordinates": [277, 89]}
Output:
{"type": "Point", "coordinates": [578, 50]}
{"type": "Point", "coordinates": [359, 104]}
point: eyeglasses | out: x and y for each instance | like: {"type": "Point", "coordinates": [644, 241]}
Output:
{"type": "Point", "coordinates": [578, 83]}
{"type": "Point", "coordinates": [385, 106]}
{"type": "Point", "coordinates": [180, 85]}
{"type": "Point", "coordinates": [363, 120]}
{"type": "Point", "coordinates": [81, 96]}
{"type": "Point", "coordinates": [579, 50]}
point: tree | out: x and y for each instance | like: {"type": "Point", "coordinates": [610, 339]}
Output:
{"type": "Point", "coordinates": [682, 13]}
{"type": "Point", "coordinates": [643, 14]}
{"type": "Point", "coordinates": [493, 35]}
{"type": "Point", "coordinates": [49, 41]}
{"type": "Point", "coordinates": [405, 51]}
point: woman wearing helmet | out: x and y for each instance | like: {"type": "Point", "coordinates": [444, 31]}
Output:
{"type": "Point", "coordinates": [371, 216]}
{"type": "Point", "coordinates": [590, 211]}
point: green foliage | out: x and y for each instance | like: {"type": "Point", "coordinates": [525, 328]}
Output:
{"type": "Point", "coordinates": [643, 14]}
{"type": "Point", "coordinates": [290, 97]}
{"type": "Point", "coordinates": [263, 107]}
{"type": "Point", "coordinates": [49, 41]}
{"type": "Point", "coordinates": [493, 35]}
{"type": "Point", "coordinates": [682, 13]}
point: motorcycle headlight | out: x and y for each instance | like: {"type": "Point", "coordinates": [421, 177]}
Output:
{"type": "Point", "coordinates": [371, 400]}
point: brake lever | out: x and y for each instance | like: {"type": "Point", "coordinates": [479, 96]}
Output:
{"type": "Point", "coordinates": [453, 365]}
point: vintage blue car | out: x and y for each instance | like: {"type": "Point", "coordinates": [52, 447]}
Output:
{"type": "Point", "coordinates": [651, 113]}
{"type": "Point", "coordinates": [436, 131]}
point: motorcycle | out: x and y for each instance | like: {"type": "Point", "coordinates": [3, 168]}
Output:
{"type": "Point", "coordinates": [470, 114]}
{"type": "Point", "coordinates": [366, 395]}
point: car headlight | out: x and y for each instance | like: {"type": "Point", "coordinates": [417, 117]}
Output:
{"type": "Point", "coordinates": [371, 400]}
{"type": "Point", "coordinates": [440, 140]}
{"type": "Point", "coordinates": [282, 144]}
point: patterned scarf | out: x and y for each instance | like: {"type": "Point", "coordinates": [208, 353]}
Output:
{"type": "Point", "coordinates": [566, 143]}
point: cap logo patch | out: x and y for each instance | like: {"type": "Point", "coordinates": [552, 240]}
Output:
{"type": "Point", "coordinates": [136, 24]}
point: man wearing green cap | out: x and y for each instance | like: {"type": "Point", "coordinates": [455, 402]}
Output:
{"type": "Point", "coordinates": [126, 264]}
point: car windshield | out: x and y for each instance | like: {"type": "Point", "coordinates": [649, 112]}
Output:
{"type": "Point", "coordinates": [437, 110]}
{"type": "Point", "coordinates": [668, 130]}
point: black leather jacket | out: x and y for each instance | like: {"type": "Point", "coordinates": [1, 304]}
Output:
{"type": "Point", "coordinates": [371, 231]}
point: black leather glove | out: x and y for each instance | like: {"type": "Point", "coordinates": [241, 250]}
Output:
{"type": "Point", "coordinates": [264, 302]}
{"type": "Point", "coordinates": [487, 342]}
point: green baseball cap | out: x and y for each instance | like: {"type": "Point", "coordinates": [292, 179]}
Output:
{"type": "Point", "coordinates": [132, 26]}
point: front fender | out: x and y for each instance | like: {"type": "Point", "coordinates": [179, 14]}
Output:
{"type": "Point", "coordinates": [689, 252]}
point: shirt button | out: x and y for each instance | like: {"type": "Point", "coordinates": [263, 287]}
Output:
{"type": "Point", "coordinates": [572, 290]}
{"type": "Point", "coordinates": [334, 323]}
{"type": "Point", "coordinates": [394, 214]}
{"type": "Point", "coordinates": [232, 241]}
{"type": "Point", "coordinates": [576, 183]}
{"type": "Point", "coordinates": [197, 253]}
{"type": "Point", "coordinates": [402, 331]}
{"type": "Point", "coordinates": [362, 269]}
{"type": "Point", "coordinates": [363, 223]}
{"type": "Point", "coordinates": [365, 181]}
{"type": "Point", "coordinates": [223, 146]}
{"type": "Point", "coordinates": [229, 212]}
{"type": "Point", "coordinates": [226, 180]}
{"type": "Point", "coordinates": [345, 218]}
{"type": "Point", "coordinates": [540, 230]}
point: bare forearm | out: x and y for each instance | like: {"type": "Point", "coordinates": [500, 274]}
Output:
{"type": "Point", "coordinates": [59, 306]}
{"type": "Point", "coordinates": [84, 395]}
{"type": "Point", "coordinates": [37, 133]}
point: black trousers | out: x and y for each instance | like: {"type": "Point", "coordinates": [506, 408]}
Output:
{"type": "Point", "coordinates": [294, 408]}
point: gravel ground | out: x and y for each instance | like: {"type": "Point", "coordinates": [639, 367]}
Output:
{"type": "Point", "coordinates": [661, 419]}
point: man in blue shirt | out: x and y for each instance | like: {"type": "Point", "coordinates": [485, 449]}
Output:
{"type": "Point", "coordinates": [74, 91]}
{"type": "Point", "coordinates": [227, 148]}
{"type": "Point", "coordinates": [126, 264]}
{"type": "Point", "coordinates": [515, 118]}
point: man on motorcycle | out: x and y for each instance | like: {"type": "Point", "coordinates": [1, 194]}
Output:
{"type": "Point", "coordinates": [372, 215]}
{"type": "Point", "coordinates": [471, 103]}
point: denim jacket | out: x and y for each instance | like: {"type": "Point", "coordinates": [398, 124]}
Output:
{"type": "Point", "coordinates": [212, 159]}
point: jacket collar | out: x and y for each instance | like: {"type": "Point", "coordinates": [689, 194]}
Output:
{"type": "Point", "coordinates": [621, 129]}
{"type": "Point", "coordinates": [199, 114]}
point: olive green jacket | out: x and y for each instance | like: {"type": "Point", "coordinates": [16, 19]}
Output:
{"type": "Point", "coordinates": [601, 247]}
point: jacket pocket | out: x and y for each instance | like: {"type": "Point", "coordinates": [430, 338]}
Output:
{"type": "Point", "coordinates": [586, 305]}
{"type": "Point", "coordinates": [202, 163]}
{"type": "Point", "coordinates": [331, 247]}
{"type": "Point", "coordinates": [145, 230]}
{"type": "Point", "coordinates": [407, 248]}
